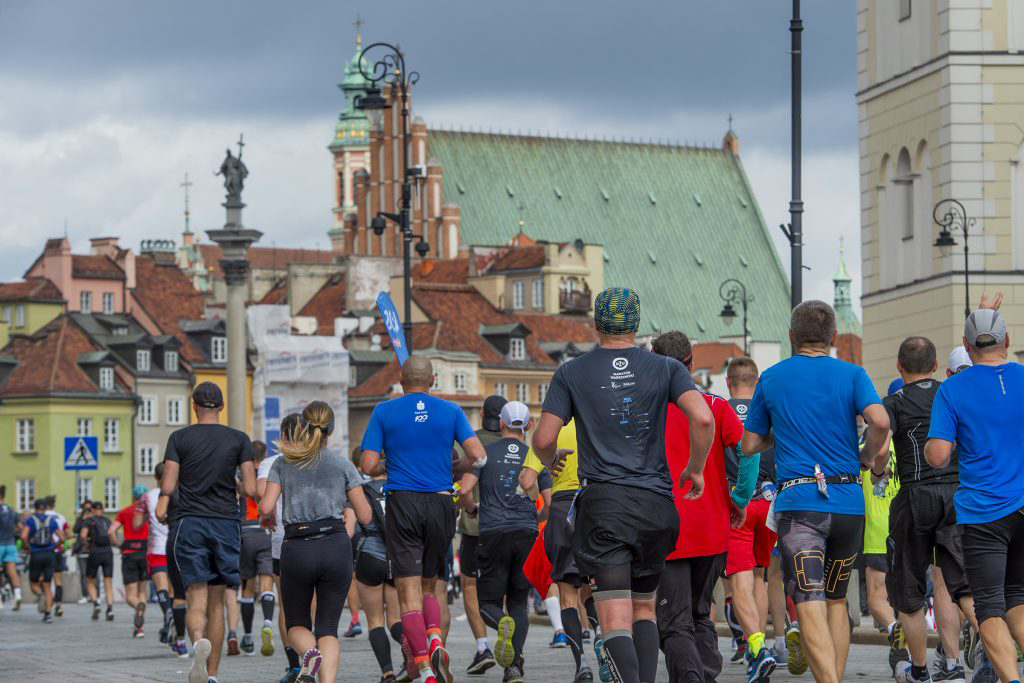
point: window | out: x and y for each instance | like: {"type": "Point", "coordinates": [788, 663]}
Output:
{"type": "Point", "coordinates": [147, 410]}
{"type": "Point", "coordinates": [112, 434]}
{"type": "Point", "coordinates": [542, 392]}
{"type": "Point", "coordinates": [85, 302]}
{"type": "Point", "coordinates": [523, 392]}
{"type": "Point", "coordinates": [170, 361]}
{"type": "Point", "coordinates": [84, 426]}
{"type": "Point", "coordinates": [84, 490]}
{"type": "Point", "coordinates": [517, 349]}
{"type": "Point", "coordinates": [26, 491]}
{"type": "Point", "coordinates": [537, 290]}
{"type": "Point", "coordinates": [121, 331]}
{"type": "Point", "coordinates": [147, 459]}
{"type": "Point", "coordinates": [518, 294]}
{"type": "Point", "coordinates": [220, 350]}
{"type": "Point", "coordinates": [904, 10]}
{"type": "Point", "coordinates": [19, 320]}
{"type": "Point", "coordinates": [7, 314]}
{"type": "Point", "coordinates": [107, 379]}
{"type": "Point", "coordinates": [460, 382]}
{"type": "Point", "coordinates": [110, 491]}
{"type": "Point", "coordinates": [501, 389]}
{"type": "Point", "coordinates": [26, 435]}
{"type": "Point", "coordinates": [143, 360]}
{"type": "Point", "coordinates": [108, 303]}
{"type": "Point", "coordinates": [175, 410]}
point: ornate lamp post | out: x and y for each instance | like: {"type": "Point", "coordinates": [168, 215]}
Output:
{"type": "Point", "coordinates": [390, 70]}
{"type": "Point", "coordinates": [234, 240]}
{"type": "Point", "coordinates": [732, 292]}
{"type": "Point", "coordinates": [951, 215]}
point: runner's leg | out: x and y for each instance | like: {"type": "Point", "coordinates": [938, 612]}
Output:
{"type": "Point", "coordinates": [947, 617]}
{"type": "Point", "coordinates": [371, 598]}
{"type": "Point", "coordinates": [614, 602]}
{"type": "Point", "coordinates": [215, 624]}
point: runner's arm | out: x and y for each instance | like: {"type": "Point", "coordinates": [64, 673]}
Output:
{"type": "Point", "coordinates": [169, 482]}
{"type": "Point", "coordinates": [248, 479]}
{"type": "Point", "coordinates": [360, 506]}
{"type": "Point", "coordinates": [349, 516]}
{"type": "Point", "coordinates": [755, 443]}
{"type": "Point", "coordinates": [474, 448]}
{"type": "Point", "coordinates": [162, 503]}
{"type": "Point", "coordinates": [937, 452]}
{"type": "Point", "coordinates": [545, 438]}
{"type": "Point", "coordinates": [876, 442]}
{"type": "Point", "coordinates": [112, 532]}
{"type": "Point", "coordinates": [527, 478]}
{"type": "Point", "coordinates": [466, 484]}
{"type": "Point", "coordinates": [542, 516]}
{"type": "Point", "coordinates": [368, 463]}
{"type": "Point", "coordinates": [138, 519]}
{"type": "Point", "coordinates": [702, 433]}
{"type": "Point", "coordinates": [268, 504]}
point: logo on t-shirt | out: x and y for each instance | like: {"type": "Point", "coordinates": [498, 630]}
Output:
{"type": "Point", "coordinates": [620, 363]}
{"type": "Point", "coordinates": [741, 409]}
{"type": "Point", "coordinates": [420, 405]}
{"type": "Point", "coordinates": [513, 448]}
{"type": "Point", "coordinates": [421, 411]}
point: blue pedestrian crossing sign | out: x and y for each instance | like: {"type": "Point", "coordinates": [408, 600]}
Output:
{"type": "Point", "coordinates": [81, 452]}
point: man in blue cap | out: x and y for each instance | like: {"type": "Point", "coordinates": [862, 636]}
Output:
{"type": "Point", "coordinates": [624, 519]}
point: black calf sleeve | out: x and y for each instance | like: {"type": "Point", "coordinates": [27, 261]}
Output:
{"type": "Point", "coordinates": [248, 609]}
{"type": "Point", "coordinates": [574, 632]}
{"type": "Point", "coordinates": [293, 657]}
{"type": "Point", "coordinates": [591, 613]}
{"type": "Point", "coordinates": [178, 611]}
{"type": "Point", "coordinates": [622, 657]}
{"type": "Point", "coordinates": [396, 632]}
{"type": "Point", "coordinates": [491, 613]}
{"type": "Point", "coordinates": [519, 611]}
{"type": "Point", "coordinates": [381, 648]}
{"type": "Point", "coordinates": [646, 641]}
{"type": "Point", "coordinates": [58, 594]}
{"type": "Point", "coordinates": [267, 601]}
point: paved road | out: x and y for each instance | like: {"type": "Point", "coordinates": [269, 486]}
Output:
{"type": "Point", "coordinates": [78, 649]}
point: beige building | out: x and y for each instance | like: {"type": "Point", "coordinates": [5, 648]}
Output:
{"type": "Point", "coordinates": [940, 107]}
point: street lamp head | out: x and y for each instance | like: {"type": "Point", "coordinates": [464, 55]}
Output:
{"type": "Point", "coordinates": [379, 224]}
{"type": "Point", "coordinates": [422, 248]}
{"type": "Point", "coordinates": [945, 241]}
{"type": "Point", "coordinates": [728, 314]}
{"type": "Point", "coordinates": [373, 104]}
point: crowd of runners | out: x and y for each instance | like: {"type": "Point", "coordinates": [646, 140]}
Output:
{"type": "Point", "coordinates": [620, 508]}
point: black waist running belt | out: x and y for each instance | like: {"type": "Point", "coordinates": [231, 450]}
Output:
{"type": "Point", "coordinates": [836, 479]}
{"type": "Point", "coordinates": [319, 527]}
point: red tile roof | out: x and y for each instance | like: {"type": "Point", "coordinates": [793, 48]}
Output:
{"type": "Point", "coordinates": [327, 304]}
{"type": "Point", "coordinates": [713, 357]}
{"type": "Point", "coordinates": [265, 258]}
{"type": "Point", "coordinates": [547, 327]}
{"type": "Point", "coordinates": [32, 289]}
{"type": "Point", "coordinates": [520, 258]}
{"type": "Point", "coordinates": [451, 271]}
{"type": "Point", "coordinates": [167, 295]}
{"type": "Point", "coordinates": [48, 361]}
{"type": "Point", "coordinates": [278, 294]}
{"type": "Point", "coordinates": [379, 383]}
{"type": "Point", "coordinates": [99, 267]}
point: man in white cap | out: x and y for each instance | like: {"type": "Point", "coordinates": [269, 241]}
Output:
{"type": "Point", "coordinates": [959, 360]}
{"type": "Point", "coordinates": [508, 529]}
{"type": "Point", "coordinates": [981, 410]}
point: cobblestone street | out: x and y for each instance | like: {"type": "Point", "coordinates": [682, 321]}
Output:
{"type": "Point", "coordinates": [75, 648]}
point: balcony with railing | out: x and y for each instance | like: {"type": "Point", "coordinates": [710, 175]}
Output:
{"type": "Point", "coordinates": [574, 301]}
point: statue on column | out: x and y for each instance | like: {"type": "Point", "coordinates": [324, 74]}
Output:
{"type": "Point", "coordinates": [235, 173]}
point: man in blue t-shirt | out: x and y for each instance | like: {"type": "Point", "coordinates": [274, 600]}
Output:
{"type": "Point", "coordinates": [39, 533]}
{"type": "Point", "coordinates": [810, 403]}
{"type": "Point", "coordinates": [981, 409]}
{"type": "Point", "coordinates": [8, 548]}
{"type": "Point", "coordinates": [415, 432]}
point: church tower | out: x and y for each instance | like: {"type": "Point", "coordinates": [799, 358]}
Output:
{"type": "Point", "coordinates": [350, 149]}
{"type": "Point", "coordinates": [849, 344]}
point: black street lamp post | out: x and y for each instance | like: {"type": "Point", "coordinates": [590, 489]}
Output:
{"type": "Point", "coordinates": [732, 292]}
{"type": "Point", "coordinates": [951, 215]}
{"type": "Point", "coordinates": [390, 70]}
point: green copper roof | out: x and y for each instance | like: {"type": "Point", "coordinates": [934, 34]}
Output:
{"type": "Point", "coordinates": [846, 318]}
{"type": "Point", "coordinates": [674, 221]}
{"type": "Point", "coordinates": [353, 127]}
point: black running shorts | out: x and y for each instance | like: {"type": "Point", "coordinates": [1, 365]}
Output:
{"type": "Point", "coordinates": [254, 558]}
{"type": "Point", "coordinates": [923, 531]}
{"type": "Point", "coordinates": [134, 568]}
{"type": "Point", "coordinates": [467, 555]}
{"type": "Point", "coordinates": [41, 566]}
{"type": "Point", "coordinates": [100, 559]}
{"type": "Point", "coordinates": [500, 559]}
{"type": "Point", "coordinates": [994, 557]}
{"type": "Point", "coordinates": [418, 530]}
{"type": "Point", "coordinates": [818, 551]}
{"type": "Point", "coordinates": [558, 540]}
{"type": "Point", "coordinates": [373, 571]}
{"type": "Point", "coordinates": [173, 574]}
{"type": "Point", "coordinates": [623, 525]}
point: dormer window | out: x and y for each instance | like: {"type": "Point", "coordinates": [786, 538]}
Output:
{"type": "Point", "coordinates": [170, 361]}
{"type": "Point", "coordinates": [121, 331]}
{"type": "Point", "coordinates": [517, 349]}
{"type": "Point", "coordinates": [219, 350]}
{"type": "Point", "coordinates": [106, 379]}
{"type": "Point", "coordinates": [143, 360]}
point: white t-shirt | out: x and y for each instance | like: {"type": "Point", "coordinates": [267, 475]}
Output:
{"type": "Point", "coordinates": [277, 538]}
{"type": "Point", "coordinates": [62, 522]}
{"type": "Point", "coordinates": [157, 531]}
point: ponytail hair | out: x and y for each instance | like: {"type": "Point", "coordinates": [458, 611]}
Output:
{"type": "Point", "coordinates": [308, 440]}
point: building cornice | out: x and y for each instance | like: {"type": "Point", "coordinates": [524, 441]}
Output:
{"type": "Point", "coordinates": [980, 58]}
{"type": "Point", "coordinates": [978, 277]}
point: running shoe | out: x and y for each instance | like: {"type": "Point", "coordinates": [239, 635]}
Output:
{"type": "Point", "coordinates": [740, 655]}
{"type": "Point", "coordinates": [164, 635]}
{"type": "Point", "coordinates": [354, 629]}
{"type": "Point", "coordinates": [289, 676]}
{"type": "Point", "coordinates": [200, 653]}
{"type": "Point", "coordinates": [760, 666]}
{"type": "Point", "coordinates": [110, 613]}
{"type": "Point", "coordinates": [906, 674]}
{"type": "Point", "coordinates": [481, 663]}
{"type": "Point", "coordinates": [584, 675]}
{"type": "Point", "coordinates": [310, 666]}
{"type": "Point", "coordinates": [140, 614]}
{"type": "Point", "coordinates": [971, 640]}
{"type": "Point", "coordinates": [603, 669]}
{"type": "Point", "coordinates": [58, 611]}
{"type": "Point", "coordinates": [233, 644]}
{"type": "Point", "coordinates": [41, 605]}
{"type": "Point", "coordinates": [47, 618]}
{"type": "Point", "coordinates": [247, 646]}
{"type": "Point", "coordinates": [180, 649]}
{"type": "Point", "coordinates": [504, 652]}
{"type": "Point", "coordinates": [17, 604]}
{"type": "Point", "coordinates": [586, 636]}
{"type": "Point", "coordinates": [957, 673]}
{"type": "Point", "coordinates": [83, 601]}
{"type": "Point", "coordinates": [95, 611]}
{"type": "Point", "coordinates": [267, 646]}
{"type": "Point", "coordinates": [138, 632]}
{"type": "Point", "coordinates": [559, 640]}
{"type": "Point", "coordinates": [513, 674]}
{"type": "Point", "coordinates": [412, 670]}
{"type": "Point", "coordinates": [984, 673]}
{"type": "Point", "coordinates": [779, 651]}
{"type": "Point", "coordinates": [388, 678]}
{"type": "Point", "coordinates": [796, 662]}
{"type": "Point", "coordinates": [439, 661]}
{"type": "Point", "coordinates": [897, 647]}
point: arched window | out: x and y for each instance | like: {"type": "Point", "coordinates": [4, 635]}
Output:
{"type": "Point", "coordinates": [904, 181]}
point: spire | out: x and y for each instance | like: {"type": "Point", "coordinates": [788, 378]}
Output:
{"type": "Point", "coordinates": [846, 318]}
{"type": "Point", "coordinates": [842, 275]}
{"type": "Point", "coordinates": [353, 127]}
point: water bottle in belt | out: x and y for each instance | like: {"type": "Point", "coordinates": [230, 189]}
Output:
{"type": "Point", "coordinates": [768, 491]}
{"type": "Point", "coordinates": [882, 485]}
{"type": "Point", "coordinates": [819, 478]}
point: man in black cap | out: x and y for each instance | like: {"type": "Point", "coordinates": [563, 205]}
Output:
{"type": "Point", "coordinates": [200, 463]}
{"type": "Point", "coordinates": [469, 527]}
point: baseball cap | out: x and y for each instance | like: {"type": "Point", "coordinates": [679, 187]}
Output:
{"type": "Point", "coordinates": [39, 503]}
{"type": "Point", "coordinates": [492, 412]}
{"type": "Point", "coordinates": [895, 386]}
{"type": "Point", "coordinates": [958, 360]}
{"type": "Point", "coordinates": [617, 311]}
{"type": "Point", "coordinates": [138, 492]}
{"type": "Point", "coordinates": [515, 415]}
{"type": "Point", "coordinates": [208, 395]}
{"type": "Point", "coordinates": [985, 327]}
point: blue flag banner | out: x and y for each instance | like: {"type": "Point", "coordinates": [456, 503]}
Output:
{"type": "Point", "coordinates": [390, 316]}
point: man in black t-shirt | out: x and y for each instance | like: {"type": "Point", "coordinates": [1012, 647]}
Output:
{"type": "Point", "coordinates": [200, 463]}
{"type": "Point", "coordinates": [94, 535]}
{"type": "Point", "coordinates": [922, 520]}
{"type": "Point", "coordinates": [625, 520]}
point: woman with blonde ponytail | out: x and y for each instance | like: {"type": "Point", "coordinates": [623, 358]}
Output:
{"type": "Point", "coordinates": [314, 484]}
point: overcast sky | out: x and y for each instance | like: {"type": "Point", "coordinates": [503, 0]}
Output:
{"type": "Point", "coordinates": [105, 105]}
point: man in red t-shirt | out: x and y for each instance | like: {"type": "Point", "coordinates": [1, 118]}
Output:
{"type": "Point", "coordinates": [134, 570]}
{"type": "Point", "coordinates": [688, 636]}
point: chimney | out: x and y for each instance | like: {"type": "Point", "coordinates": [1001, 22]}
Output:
{"type": "Point", "coordinates": [104, 246]}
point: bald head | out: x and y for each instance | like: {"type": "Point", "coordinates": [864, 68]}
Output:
{"type": "Point", "coordinates": [417, 373]}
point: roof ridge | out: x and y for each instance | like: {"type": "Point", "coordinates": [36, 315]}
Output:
{"type": "Point", "coordinates": [579, 138]}
{"type": "Point", "coordinates": [57, 355]}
